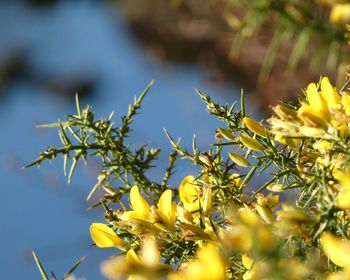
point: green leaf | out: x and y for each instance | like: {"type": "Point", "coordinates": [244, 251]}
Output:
{"type": "Point", "coordinates": [40, 267]}
{"type": "Point", "coordinates": [75, 266]}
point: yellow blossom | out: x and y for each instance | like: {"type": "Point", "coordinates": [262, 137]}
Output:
{"type": "Point", "coordinates": [345, 101]}
{"type": "Point", "coordinates": [105, 237]}
{"type": "Point", "coordinates": [146, 266]}
{"type": "Point", "coordinates": [167, 209]}
{"type": "Point", "coordinates": [163, 217]}
{"type": "Point", "coordinates": [343, 197]}
{"type": "Point", "coordinates": [207, 265]}
{"type": "Point", "coordinates": [336, 249]}
{"type": "Point", "coordinates": [317, 105]}
{"type": "Point", "coordinates": [265, 213]}
{"type": "Point", "coordinates": [340, 14]}
{"type": "Point", "coordinates": [189, 194]}
{"type": "Point", "coordinates": [330, 94]}
{"type": "Point", "coordinates": [140, 206]}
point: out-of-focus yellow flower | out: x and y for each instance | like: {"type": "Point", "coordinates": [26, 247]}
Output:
{"type": "Point", "coordinates": [340, 275]}
{"type": "Point", "coordinates": [294, 269]}
{"type": "Point", "coordinates": [292, 215]}
{"type": "Point", "coordinates": [345, 100]}
{"type": "Point", "coordinates": [343, 197]}
{"type": "Point", "coordinates": [189, 194]}
{"type": "Point", "coordinates": [146, 266]}
{"type": "Point", "coordinates": [237, 237]}
{"type": "Point", "coordinates": [259, 270]}
{"type": "Point", "coordinates": [265, 213]}
{"type": "Point", "coordinates": [340, 14]}
{"type": "Point", "coordinates": [105, 237]}
{"type": "Point", "coordinates": [275, 187]}
{"type": "Point", "coordinates": [247, 261]}
{"type": "Point", "coordinates": [336, 249]}
{"type": "Point", "coordinates": [292, 221]}
{"type": "Point", "coordinates": [248, 216]}
{"type": "Point", "coordinates": [255, 127]}
{"type": "Point", "coordinates": [323, 146]}
{"type": "Point", "coordinates": [313, 132]}
{"type": "Point", "coordinates": [207, 265]}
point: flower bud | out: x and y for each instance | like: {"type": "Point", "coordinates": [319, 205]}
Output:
{"type": "Point", "coordinates": [208, 201]}
{"type": "Point", "coordinates": [255, 127]}
{"type": "Point", "coordinates": [226, 134]}
{"type": "Point", "coordinates": [239, 160]}
{"type": "Point", "coordinates": [275, 187]}
{"type": "Point", "coordinates": [251, 143]}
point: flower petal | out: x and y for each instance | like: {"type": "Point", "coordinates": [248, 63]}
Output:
{"type": "Point", "coordinates": [105, 237]}
{"type": "Point", "coordinates": [138, 203]}
{"type": "Point", "coordinates": [336, 249]}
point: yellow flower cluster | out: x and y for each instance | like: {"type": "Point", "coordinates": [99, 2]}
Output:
{"type": "Point", "coordinates": [275, 207]}
{"type": "Point", "coordinates": [324, 114]}
{"type": "Point", "coordinates": [196, 232]}
{"type": "Point", "coordinates": [157, 227]}
{"type": "Point", "coordinates": [242, 235]}
{"type": "Point", "coordinates": [323, 123]}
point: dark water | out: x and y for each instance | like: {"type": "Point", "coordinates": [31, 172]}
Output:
{"type": "Point", "coordinates": [79, 41]}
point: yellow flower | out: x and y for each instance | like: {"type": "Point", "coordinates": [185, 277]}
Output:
{"type": "Point", "coordinates": [164, 216]}
{"type": "Point", "coordinates": [167, 209]}
{"type": "Point", "coordinates": [336, 249]}
{"type": "Point", "coordinates": [140, 206]}
{"type": "Point", "coordinates": [105, 237]}
{"type": "Point", "coordinates": [207, 265]}
{"type": "Point", "coordinates": [146, 266]}
{"type": "Point", "coordinates": [265, 213]}
{"type": "Point", "coordinates": [247, 261]}
{"type": "Point", "coordinates": [345, 101]}
{"type": "Point", "coordinates": [189, 194]}
{"type": "Point", "coordinates": [340, 14]}
{"type": "Point", "coordinates": [317, 105]}
{"type": "Point", "coordinates": [323, 146]}
{"type": "Point", "coordinates": [330, 94]}
{"type": "Point", "coordinates": [343, 197]}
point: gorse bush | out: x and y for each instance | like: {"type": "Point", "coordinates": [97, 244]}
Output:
{"type": "Point", "coordinates": [218, 223]}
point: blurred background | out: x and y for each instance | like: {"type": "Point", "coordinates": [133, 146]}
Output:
{"type": "Point", "coordinates": [108, 51]}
